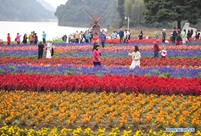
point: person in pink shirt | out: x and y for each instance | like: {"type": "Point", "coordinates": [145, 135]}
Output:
{"type": "Point", "coordinates": [96, 56]}
{"type": "Point", "coordinates": [17, 39]}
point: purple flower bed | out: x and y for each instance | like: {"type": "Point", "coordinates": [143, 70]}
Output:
{"type": "Point", "coordinates": [120, 54]}
{"type": "Point", "coordinates": [100, 71]}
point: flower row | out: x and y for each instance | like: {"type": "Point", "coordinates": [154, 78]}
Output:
{"type": "Point", "coordinates": [120, 54]}
{"type": "Point", "coordinates": [107, 48]}
{"type": "Point", "coordinates": [17, 131]}
{"type": "Point", "coordinates": [101, 71]}
{"type": "Point", "coordinates": [145, 62]}
{"type": "Point", "coordinates": [109, 83]}
{"type": "Point", "coordinates": [97, 110]}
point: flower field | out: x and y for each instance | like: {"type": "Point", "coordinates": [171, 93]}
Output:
{"type": "Point", "coordinates": [66, 95]}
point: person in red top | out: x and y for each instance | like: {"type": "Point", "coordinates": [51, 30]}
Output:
{"type": "Point", "coordinates": [96, 56]}
{"type": "Point", "coordinates": [8, 39]}
{"type": "Point", "coordinates": [156, 49]}
{"type": "Point", "coordinates": [95, 40]}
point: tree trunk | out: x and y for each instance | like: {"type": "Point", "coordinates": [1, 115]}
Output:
{"type": "Point", "coordinates": [179, 24]}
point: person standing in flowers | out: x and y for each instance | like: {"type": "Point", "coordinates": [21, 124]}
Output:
{"type": "Point", "coordinates": [156, 48]}
{"type": "Point", "coordinates": [25, 39]}
{"type": "Point", "coordinates": [17, 39]}
{"type": "Point", "coordinates": [163, 36]}
{"type": "Point", "coordinates": [8, 39]}
{"type": "Point", "coordinates": [40, 50]}
{"type": "Point", "coordinates": [102, 36]}
{"type": "Point", "coordinates": [52, 51]}
{"type": "Point", "coordinates": [184, 36]}
{"type": "Point", "coordinates": [48, 50]}
{"type": "Point", "coordinates": [95, 40]}
{"type": "Point", "coordinates": [31, 37]}
{"type": "Point", "coordinates": [135, 58]}
{"type": "Point", "coordinates": [87, 36]}
{"type": "Point", "coordinates": [44, 37]}
{"type": "Point", "coordinates": [96, 56]}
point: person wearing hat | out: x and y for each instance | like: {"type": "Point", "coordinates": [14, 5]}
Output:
{"type": "Point", "coordinates": [96, 56]}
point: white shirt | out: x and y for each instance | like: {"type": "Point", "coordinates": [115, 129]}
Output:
{"type": "Point", "coordinates": [164, 52]}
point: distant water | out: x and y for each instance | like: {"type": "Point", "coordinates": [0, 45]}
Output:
{"type": "Point", "coordinates": [51, 29]}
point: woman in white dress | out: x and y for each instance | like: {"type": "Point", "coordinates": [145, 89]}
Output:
{"type": "Point", "coordinates": [49, 49]}
{"type": "Point", "coordinates": [135, 58]}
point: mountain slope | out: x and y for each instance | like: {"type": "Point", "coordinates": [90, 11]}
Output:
{"type": "Point", "coordinates": [23, 10]}
{"type": "Point", "coordinates": [73, 12]}
{"type": "Point", "coordinates": [46, 5]}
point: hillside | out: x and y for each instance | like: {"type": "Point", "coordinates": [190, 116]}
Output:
{"type": "Point", "coordinates": [73, 12]}
{"type": "Point", "coordinates": [24, 10]}
{"type": "Point", "coordinates": [46, 5]}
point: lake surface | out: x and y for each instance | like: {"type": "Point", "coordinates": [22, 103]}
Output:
{"type": "Point", "coordinates": [51, 29]}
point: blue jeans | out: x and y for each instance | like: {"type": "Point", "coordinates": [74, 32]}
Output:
{"type": "Point", "coordinates": [155, 54]}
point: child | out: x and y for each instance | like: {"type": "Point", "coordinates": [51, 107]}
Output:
{"type": "Point", "coordinates": [164, 52]}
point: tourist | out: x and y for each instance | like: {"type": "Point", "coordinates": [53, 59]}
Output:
{"type": "Point", "coordinates": [77, 37]}
{"type": "Point", "coordinates": [121, 35]}
{"type": "Point", "coordinates": [114, 35]}
{"type": "Point", "coordinates": [40, 50]}
{"type": "Point", "coordinates": [174, 35]}
{"type": "Point", "coordinates": [8, 39]}
{"type": "Point", "coordinates": [163, 36]}
{"type": "Point", "coordinates": [140, 35]}
{"type": "Point", "coordinates": [102, 37]}
{"type": "Point", "coordinates": [17, 39]}
{"type": "Point", "coordinates": [95, 40]}
{"type": "Point", "coordinates": [164, 52]}
{"type": "Point", "coordinates": [184, 36]}
{"type": "Point", "coordinates": [44, 37]}
{"type": "Point", "coordinates": [35, 38]}
{"type": "Point", "coordinates": [25, 39]}
{"type": "Point", "coordinates": [48, 50]}
{"type": "Point", "coordinates": [64, 38]}
{"type": "Point", "coordinates": [127, 36]}
{"type": "Point", "coordinates": [96, 56]}
{"type": "Point", "coordinates": [135, 58]}
{"type": "Point", "coordinates": [31, 37]}
{"type": "Point", "coordinates": [87, 37]}
{"type": "Point", "coordinates": [81, 37]}
{"type": "Point", "coordinates": [189, 35]}
{"type": "Point", "coordinates": [179, 39]}
{"type": "Point", "coordinates": [197, 35]}
{"type": "Point", "coordinates": [52, 51]}
{"type": "Point", "coordinates": [156, 48]}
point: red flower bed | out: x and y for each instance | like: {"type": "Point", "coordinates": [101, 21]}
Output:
{"type": "Point", "coordinates": [106, 61]}
{"type": "Point", "coordinates": [109, 83]}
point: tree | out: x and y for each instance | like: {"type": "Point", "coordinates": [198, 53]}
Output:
{"type": "Point", "coordinates": [172, 10]}
{"type": "Point", "coordinates": [121, 11]}
{"type": "Point", "coordinates": [70, 14]}
{"type": "Point", "coordinates": [137, 9]}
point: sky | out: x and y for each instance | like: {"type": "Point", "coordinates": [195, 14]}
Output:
{"type": "Point", "coordinates": [56, 3]}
